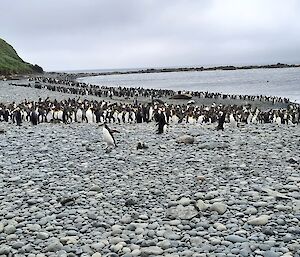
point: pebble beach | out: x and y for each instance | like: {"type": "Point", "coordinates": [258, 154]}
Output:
{"type": "Point", "coordinates": [231, 193]}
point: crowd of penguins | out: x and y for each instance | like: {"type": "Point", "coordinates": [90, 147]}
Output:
{"type": "Point", "coordinates": [105, 111]}
{"type": "Point", "coordinates": [80, 88]}
{"type": "Point", "coordinates": [93, 111]}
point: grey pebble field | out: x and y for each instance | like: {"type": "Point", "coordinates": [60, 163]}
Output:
{"type": "Point", "coordinates": [231, 193]}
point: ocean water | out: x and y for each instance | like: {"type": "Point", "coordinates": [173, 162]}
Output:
{"type": "Point", "coordinates": [270, 82]}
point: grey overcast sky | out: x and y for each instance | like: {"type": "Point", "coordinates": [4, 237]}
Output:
{"type": "Point", "coordinates": [104, 34]}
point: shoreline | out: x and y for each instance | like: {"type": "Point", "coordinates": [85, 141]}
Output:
{"type": "Point", "coordinates": [44, 93]}
{"type": "Point", "coordinates": [75, 75]}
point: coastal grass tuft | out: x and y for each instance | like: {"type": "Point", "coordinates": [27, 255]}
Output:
{"type": "Point", "coordinates": [11, 63]}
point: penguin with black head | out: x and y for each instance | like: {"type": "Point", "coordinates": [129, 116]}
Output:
{"type": "Point", "coordinates": [161, 121]}
{"type": "Point", "coordinates": [18, 116]}
{"type": "Point", "coordinates": [221, 121]}
{"type": "Point", "coordinates": [34, 117]}
{"type": "Point", "coordinates": [108, 136]}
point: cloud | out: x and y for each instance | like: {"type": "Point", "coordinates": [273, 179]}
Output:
{"type": "Point", "coordinates": [90, 34]}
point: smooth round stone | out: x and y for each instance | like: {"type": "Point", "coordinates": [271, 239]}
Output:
{"type": "Point", "coordinates": [151, 233]}
{"type": "Point", "coordinates": [97, 255]}
{"type": "Point", "coordinates": [1, 227]}
{"type": "Point", "coordinates": [294, 230]}
{"type": "Point", "coordinates": [151, 250]}
{"type": "Point", "coordinates": [184, 201]}
{"type": "Point", "coordinates": [118, 247]}
{"type": "Point", "coordinates": [245, 252]}
{"type": "Point", "coordinates": [34, 227]}
{"type": "Point", "coordinates": [126, 250]}
{"type": "Point", "coordinates": [174, 222]}
{"type": "Point", "coordinates": [199, 195]}
{"type": "Point", "coordinates": [271, 254]}
{"type": "Point", "coordinates": [251, 211]}
{"type": "Point", "coordinates": [259, 221]}
{"type": "Point", "coordinates": [116, 240]}
{"type": "Point", "coordinates": [11, 237]}
{"type": "Point", "coordinates": [143, 217]}
{"type": "Point", "coordinates": [281, 222]}
{"type": "Point", "coordinates": [153, 225]}
{"type": "Point", "coordinates": [136, 252]}
{"type": "Point", "coordinates": [265, 247]}
{"type": "Point", "coordinates": [5, 249]}
{"type": "Point", "coordinates": [54, 247]}
{"type": "Point", "coordinates": [171, 235]}
{"type": "Point", "coordinates": [139, 231]}
{"type": "Point", "coordinates": [131, 227]}
{"type": "Point", "coordinates": [126, 219]}
{"type": "Point", "coordinates": [235, 251]}
{"type": "Point", "coordinates": [95, 188]}
{"type": "Point", "coordinates": [215, 241]}
{"type": "Point", "coordinates": [220, 208]}
{"type": "Point", "coordinates": [287, 238]}
{"type": "Point", "coordinates": [268, 230]}
{"type": "Point", "coordinates": [18, 245]}
{"type": "Point", "coordinates": [201, 205]}
{"type": "Point", "coordinates": [98, 246]}
{"type": "Point", "coordinates": [219, 226]}
{"type": "Point", "coordinates": [235, 239]}
{"type": "Point", "coordinates": [165, 244]}
{"type": "Point", "coordinates": [260, 204]}
{"type": "Point", "coordinates": [9, 229]}
{"type": "Point", "coordinates": [160, 233]}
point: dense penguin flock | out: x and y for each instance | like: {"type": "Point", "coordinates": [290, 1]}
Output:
{"type": "Point", "coordinates": [93, 111]}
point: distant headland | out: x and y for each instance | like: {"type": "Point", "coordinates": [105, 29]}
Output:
{"type": "Point", "coordinates": [75, 75]}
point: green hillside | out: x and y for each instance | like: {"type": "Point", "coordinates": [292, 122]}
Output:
{"type": "Point", "coordinates": [11, 63]}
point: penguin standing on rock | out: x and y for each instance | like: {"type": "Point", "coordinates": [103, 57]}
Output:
{"type": "Point", "coordinates": [108, 136]}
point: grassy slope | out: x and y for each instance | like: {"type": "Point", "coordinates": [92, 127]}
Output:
{"type": "Point", "coordinates": [10, 62]}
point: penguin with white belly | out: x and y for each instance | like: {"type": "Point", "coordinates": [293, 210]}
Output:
{"type": "Point", "coordinates": [108, 136]}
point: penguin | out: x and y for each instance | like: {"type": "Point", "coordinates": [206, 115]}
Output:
{"type": "Point", "coordinates": [78, 115]}
{"type": "Point", "coordinates": [89, 115]}
{"type": "Point", "coordinates": [49, 116]}
{"type": "Point", "coordinates": [255, 116]}
{"type": "Point", "coordinates": [221, 121]}
{"type": "Point", "coordinates": [34, 118]}
{"type": "Point", "coordinates": [151, 113]}
{"type": "Point", "coordinates": [161, 122]}
{"type": "Point", "coordinates": [108, 136]}
{"type": "Point", "coordinates": [278, 120]}
{"type": "Point", "coordinates": [59, 115]}
{"type": "Point", "coordinates": [18, 116]}
{"type": "Point", "coordinates": [192, 120]}
{"type": "Point", "coordinates": [119, 117]}
{"type": "Point", "coordinates": [200, 119]}
{"type": "Point", "coordinates": [126, 117]}
{"type": "Point", "coordinates": [232, 121]}
{"type": "Point", "coordinates": [249, 118]}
